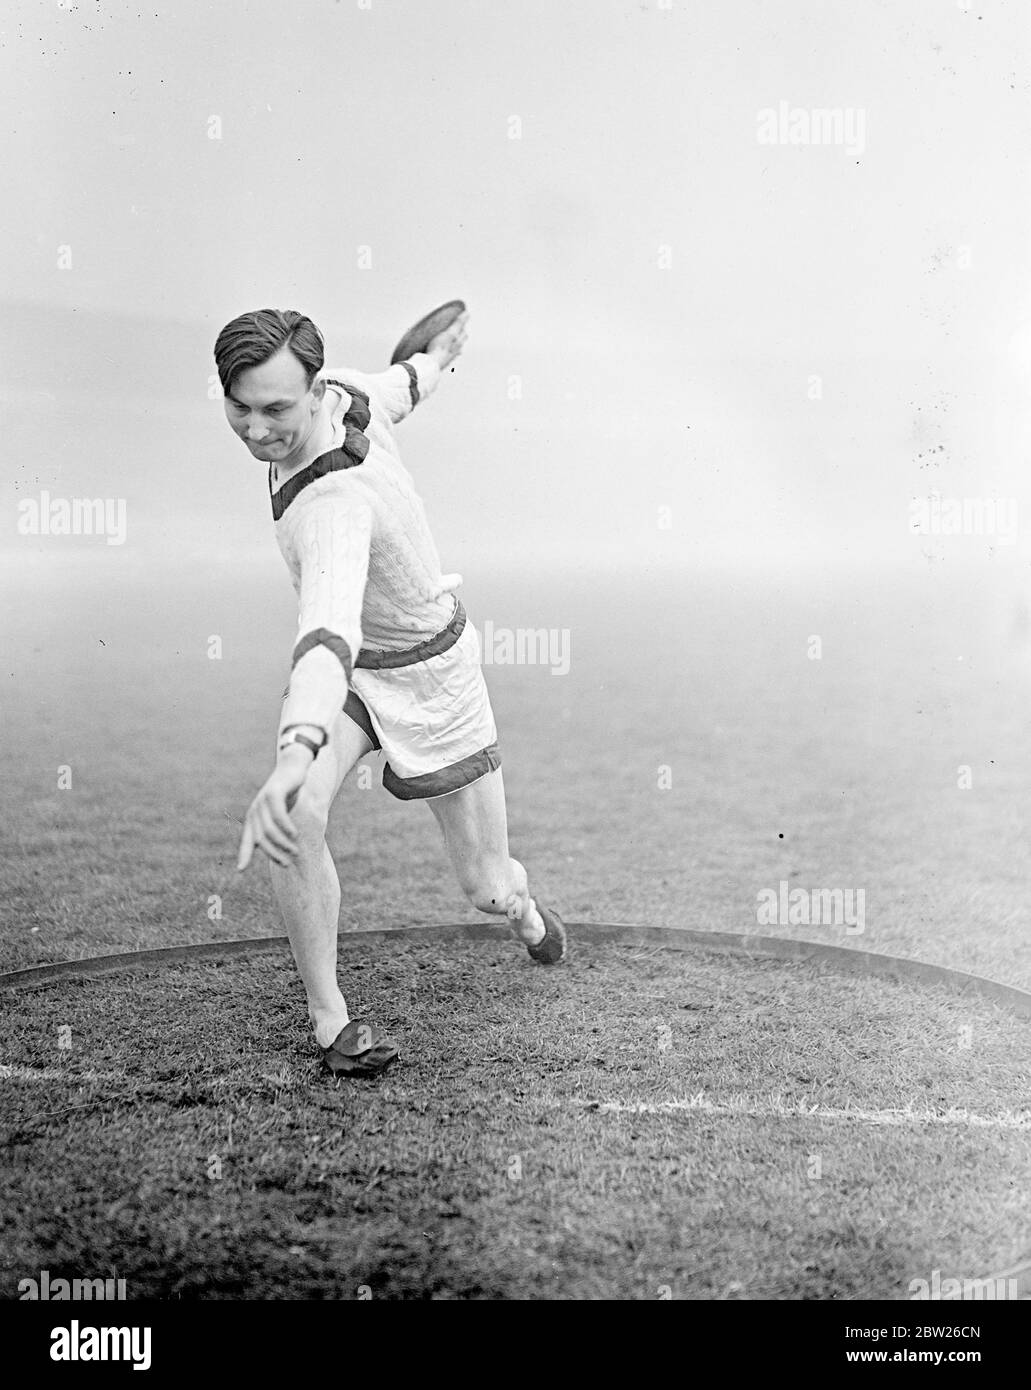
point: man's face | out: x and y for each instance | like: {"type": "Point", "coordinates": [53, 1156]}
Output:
{"type": "Point", "coordinates": [271, 408]}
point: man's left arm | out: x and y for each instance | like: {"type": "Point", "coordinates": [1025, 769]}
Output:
{"type": "Point", "coordinates": [401, 387]}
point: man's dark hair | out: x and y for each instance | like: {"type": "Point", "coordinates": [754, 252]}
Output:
{"type": "Point", "coordinates": [253, 338]}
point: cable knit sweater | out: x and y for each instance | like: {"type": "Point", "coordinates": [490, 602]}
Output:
{"type": "Point", "coordinates": [353, 532]}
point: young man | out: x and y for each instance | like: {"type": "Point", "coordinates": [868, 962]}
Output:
{"type": "Point", "coordinates": [384, 657]}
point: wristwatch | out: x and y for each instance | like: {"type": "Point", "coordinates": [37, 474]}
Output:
{"type": "Point", "coordinates": [290, 735]}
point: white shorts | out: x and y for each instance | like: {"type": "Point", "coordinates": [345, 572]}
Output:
{"type": "Point", "coordinates": [428, 709]}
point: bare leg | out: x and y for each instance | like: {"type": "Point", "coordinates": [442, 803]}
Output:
{"type": "Point", "coordinates": [308, 890]}
{"type": "Point", "coordinates": [475, 828]}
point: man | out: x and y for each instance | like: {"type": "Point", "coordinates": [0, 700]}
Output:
{"type": "Point", "coordinates": [384, 658]}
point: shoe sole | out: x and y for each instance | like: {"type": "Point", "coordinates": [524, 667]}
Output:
{"type": "Point", "coordinates": [359, 1066]}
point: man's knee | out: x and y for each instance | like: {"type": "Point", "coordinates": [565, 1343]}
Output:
{"type": "Point", "coordinates": [310, 815]}
{"type": "Point", "coordinates": [488, 885]}
{"type": "Point", "coordinates": [485, 901]}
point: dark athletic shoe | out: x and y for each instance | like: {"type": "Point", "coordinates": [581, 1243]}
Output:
{"type": "Point", "coordinates": [552, 946]}
{"type": "Point", "coordinates": [359, 1050]}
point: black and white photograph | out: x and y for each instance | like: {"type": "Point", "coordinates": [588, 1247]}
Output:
{"type": "Point", "coordinates": [515, 756]}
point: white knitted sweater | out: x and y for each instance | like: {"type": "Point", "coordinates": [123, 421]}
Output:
{"type": "Point", "coordinates": [357, 544]}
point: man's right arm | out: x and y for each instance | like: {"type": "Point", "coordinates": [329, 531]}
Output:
{"type": "Point", "coordinates": [331, 537]}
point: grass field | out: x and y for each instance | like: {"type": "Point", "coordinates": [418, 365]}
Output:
{"type": "Point", "coordinates": [840, 772]}
{"type": "Point", "coordinates": [693, 757]}
{"type": "Point", "coordinates": [717, 1128]}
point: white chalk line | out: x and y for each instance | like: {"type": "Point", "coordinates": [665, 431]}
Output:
{"type": "Point", "coordinates": [775, 1107]}
{"type": "Point", "coordinates": [734, 1106]}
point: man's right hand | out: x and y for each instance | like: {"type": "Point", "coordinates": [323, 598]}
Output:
{"type": "Point", "coordinates": [267, 825]}
{"type": "Point", "coordinates": [446, 346]}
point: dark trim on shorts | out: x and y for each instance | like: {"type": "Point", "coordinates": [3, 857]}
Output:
{"type": "Point", "coordinates": [355, 709]}
{"type": "Point", "coordinates": [446, 779]}
{"type": "Point", "coordinates": [422, 651]}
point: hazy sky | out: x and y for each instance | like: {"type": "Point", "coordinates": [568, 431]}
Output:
{"type": "Point", "coordinates": [781, 343]}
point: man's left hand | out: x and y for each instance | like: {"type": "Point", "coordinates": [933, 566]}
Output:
{"type": "Point", "coordinates": [446, 346]}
